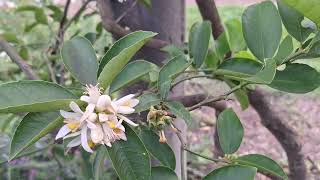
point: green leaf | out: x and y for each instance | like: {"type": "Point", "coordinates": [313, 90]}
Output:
{"type": "Point", "coordinates": [230, 131]}
{"type": "Point", "coordinates": [199, 42]}
{"type": "Point", "coordinates": [33, 127]}
{"type": "Point", "coordinates": [173, 50]}
{"type": "Point", "coordinates": [285, 49]}
{"type": "Point", "coordinates": [40, 16]}
{"type": "Point", "coordinates": [29, 27]}
{"type": "Point", "coordinates": [232, 172]}
{"type": "Point", "coordinates": [119, 55]}
{"type": "Point", "coordinates": [222, 46]}
{"type": "Point", "coordinates": [235, 35]}
{"type": "Point", "coordinates": [57, 13]}
{"type": "Point", "coordinates": [131, 73]}
{"type": "Point", "coordinates": [241, 95]}
{"type": "Point", "coordinates": [10, 37]}
{"type": "Point", "coordinates": [33, 96]}
{"type": "Point", "coordinates": [296, 78]}
{"type": "Point", "coordinates": [98, 162]}
{"type": "Point", "coordinates": [212, 60]}
{"type": "Point", "coordinates": [161, 173]}
{"type": "Point", "coordinates": [309, 9]}
{"type": "Point", "coordinates": [266, 75]}
{"type": "Point", "coordinates": [169, 71]}
{"type": "Point", "coordinates": [263, 164]}
{"type": "Point", "coordinates": [161, 151]}
{"type": "Point", "coordinates": [147, 3]}
{"type": "Point", "coordinates": [262, 29]}
{"type": "Point", "coordinates": [146, 101]}
{"type": "Point", "coordinates": [130, 158]}
{"type": "Point", "coordinates": [80, 59]}
{"type": "Point", "coordinates": [24, 53]}
{"type": "Point", "coordinates": [239, 67]}
{"type": "Point", "coordinates": [92, 37]}
{"type": "Point", "coordinates": [180, 111]}
{"type": "Point", "coordinates": [292, 19]}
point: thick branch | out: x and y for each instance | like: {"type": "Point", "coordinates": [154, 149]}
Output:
{"type": "Point", "coordinates": [284, 134]}
{"type": "Point", "coordinates": [209, 12]}
{"type": "Point", "coordinates": [16, 58]}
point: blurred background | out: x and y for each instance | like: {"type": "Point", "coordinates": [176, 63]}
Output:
{"type": "Point", "coordinates": [46, 161]}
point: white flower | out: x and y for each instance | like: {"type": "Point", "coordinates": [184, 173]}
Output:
{"type": "Point", "coordinates": [126, 104]}
{"type": "Point", "coordinates": [93, 94]}
{"type": "Point", "coordinates": [104, 104]}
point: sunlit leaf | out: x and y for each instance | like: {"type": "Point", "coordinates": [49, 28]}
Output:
{"type": "Point", "coordinates": [232, 172]}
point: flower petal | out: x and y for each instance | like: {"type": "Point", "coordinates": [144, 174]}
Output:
{"type": "Point", "coordinates": [85, 99]}
{"type": "Point", "coordinates": [84, 140]}
{"type": "Point", "coordinates": [128, 121]}
{"type": "Point", "coordinates": [124, 99]}
{"type": "Point", "coordinates": [97, 134]}
{"type": "Point", "coordinates": [103, 117]}
{"type": "Point", "coordinates": [70, 115]}
{"type": "Point", "coordinates": [72, 135]}
{"type": "Point", "coordinates": [134, 102]}
{"type": "Point", "coordinates": [123, 136]}
{"type": "Point", "coordinates": [74, 107]}
{"type": "Point", "coordinates": [75, 142]}
{"type": "Point", "coordinates": [90, 108]}
{"type": "Point", "coordinates": [104, 102]}
{"type": "Point", "coordinates": [64, 130]}
{"type": "Point", "coordinates": [125, 110]}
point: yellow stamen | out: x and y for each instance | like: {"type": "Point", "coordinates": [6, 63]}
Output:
{"type": "Point", "coordinates": [91, 143]}
{"type": "Point", "coordinates": [163, 138]}
{"type": "Point", "coordinates": [73, 126]}
{"type": "Point", "coordinates": [117, 130]}
{"type": "Point", "coordinates": [112, 125]}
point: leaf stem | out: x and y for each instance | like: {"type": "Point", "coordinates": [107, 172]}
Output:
{"type": "Point", "coordinates": [189, 78]}
{"type": "Point", "coordinates": [207, 158]}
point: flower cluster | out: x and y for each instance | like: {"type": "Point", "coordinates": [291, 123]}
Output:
{"type": "Point", "coordinates": [100, 123]}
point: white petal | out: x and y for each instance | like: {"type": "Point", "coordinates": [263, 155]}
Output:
{"type": "Point", "coordinates": [134, 102]}
{"type": "Point", "coordinates": [103, 117]}
{"type": "Point", "coordinates": [75, 142]}
{"type": "Point", "coordinates": [72, 135]}
{"type": "Point", "coordinates": [128, 121]}
{"type": "Point", "coordinates": [121, 127]}
{"type": "Point", "coordinates": [85, 99]}
{"type": "Point", "coordinates": [104, 102]}
{"type": "Point", "coordinates": [124, 99]}
{"type": "Point", "coordinates": [63, 131]}
{"type": "Point", "coordinates": [90, 108]}
{"type": "Point", "coordinates": [123, 136]}
{"type": "Point", "coordinates": [108, 144]}
{"type": "Point", "coordinates": [97, 134]}
{"type": "Point", "coordinates": [84, 140]}
{"type": "Point", "coordinates": [74, 106]}
{"type": "Point", "coordinates": [125, 110]}
{"type": "Point", "coordinates": [91, 125]}
{"type": "Point", "coordinates": [70, 115]}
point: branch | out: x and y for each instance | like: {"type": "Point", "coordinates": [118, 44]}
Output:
{"type": "Point", "coordinates": [16, 58]}
{"type": "Point", "coordinates": [207, 158]}
{"type": "Point", "coordinates": [209, 12]}
{"type": "Point", "coordinates": [189, 78]}
{"type": "Point", "coordinates": [117, 31]}
{"type": "Point", "coordinates": [127, 11]}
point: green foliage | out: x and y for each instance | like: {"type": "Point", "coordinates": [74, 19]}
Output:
{"type": "Point", "coordinates": [120, 54]}
{"type": "Point", "coordinates": [98, 162]}
{"type": "Point", "coordinates": [262, 29]}
{"type": "Point", "coordinates": [180, 111]}
{"type": "Point", "coordinates": [33, 127]}
{"type": "Point", "coordinates": [130, 158]}
{"type": "Point", "coordinates": [160, 173]}
{"type": "Point", "coordinates": [131, 73]}
{"type": "Point", "coordinates": [199, 42]}
{"type": "Point", "coordinates": [232, 172]}
{"type": "Point", "coordinates": [161, 151]}
{"type": "Point", "coordinates": [80, 59]}
{"type": "Point", "coordinates": [285, 49]}
{"type": "Point", "coordinates": [263, 164]}
{"type": "Point", "coordinates": [33, 96]}
{"type": "Point", "coordinates": [235, 35]}
{"type": "Point", "coordinates": [230, 131]}
{"type": "Point", "coordinates": [146, 101]}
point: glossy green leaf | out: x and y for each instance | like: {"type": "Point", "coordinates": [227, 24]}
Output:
{"type": "Point", "coordinates": [263, 164]}
{"type": "Point", "coordinates": [92, 37]}
{"type": "Point", "coordinates": [169, 71]}
{"type": "Point", "coordinates": [98, 162]}
{"type": "Point", "coordinates": [130, 158]}
{"type": "Point", "coordinates": [163, 173]}
{"type": "Point", "coordinates": [57, 13]}
{"type": "Point", "coordinates": [33, 96]}
{"type": "Point", "coordinates": [266, 75]}
{"type": "Point", "coordinates": [235, 35]}
{"type": "Point", "coordinates": [212, 60]}
{"type": "Point", "coordinates": [199, 42]}
{"type": "Point", "coordinates": [292, 19]}
{"type": "Point", "coordinates": [173, 50]}
{"type": "Point", "coordinates": [241, 96]}
{"type": "Point", "coordinates": [230, 131]}
{"type": "Point", "coordinates": [309, 9]}
{"type": "Point", "coordinates": [222, 46]}
{"type": "Point", "coordinates": [119, 55]}
{"type": "Point", "coordinates": [161, 151]}
{"type": "Point", "coordinates": [296, 78]}
{"type": "Point", "coordinates": [232, 172]}
{"type": "Point", "coordinates": [40, 16]}
{"type": "Point", "coordinates": [262, 29]}
{"type": "Point", "coordinates": [33, 127]}
{"type": "Point", "coordinates": [146, 101]}
{"type": "Point", "coordinates": [80, 59]}
{"type": "Point", "coordinates": [130, 73]}
{"type": "Point", "coordinates": [180, 111]}
{"type": "Point", "coordinates": [239, 67]}
{"type": "Point", "coordinates": [285, 49]}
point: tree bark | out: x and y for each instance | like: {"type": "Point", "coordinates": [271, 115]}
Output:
{"type": "Point", "coordinates": [288, 139]}
{"type": "Point", "coordinates": [165, 17]}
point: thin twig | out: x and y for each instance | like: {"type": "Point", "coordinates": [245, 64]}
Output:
{"type": "Point", "coordinates": [205, 157]}
{"type": "Point", "coordinates": [189, 78]}
{"type": "Point", "coordinates": [126, 12]}
{"type": "Point", "coordinates": [51, 70]}
{"type": "Point", "coordinates": [16, 58]}
{"type": "Point", "coordinates": [182, 155]}
{"type": "Point", "coordinates": [219, 98]}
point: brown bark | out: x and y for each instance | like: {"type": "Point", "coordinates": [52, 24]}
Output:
{"type": "Point", "coordinates": [288, 139]}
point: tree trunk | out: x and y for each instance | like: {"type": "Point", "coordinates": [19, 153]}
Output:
{"type": "Point", "coordinates": [166, 17]}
